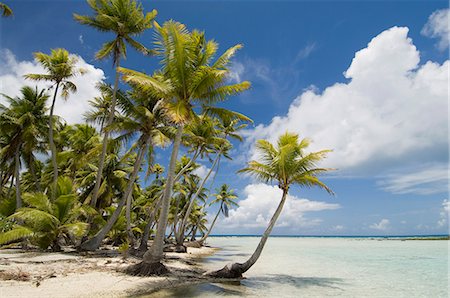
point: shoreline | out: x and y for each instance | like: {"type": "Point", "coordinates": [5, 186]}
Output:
{"type": "Point", "coordinates": [71, 274]}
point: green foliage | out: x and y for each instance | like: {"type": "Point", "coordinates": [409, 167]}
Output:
{"type": "Point", "coordinates": [124, 18]}
{"type": "Point", "coordinates": [45, 223]}
{"type": "Point", "coordinates": [6, 11]}
{"type": "Point", "coordinates": [288, 163]}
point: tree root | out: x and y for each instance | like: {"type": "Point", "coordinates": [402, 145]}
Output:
{"type": "Point", "coordinates": [229, 271]}
{"type": "Point", "coordinates": [147, 269]}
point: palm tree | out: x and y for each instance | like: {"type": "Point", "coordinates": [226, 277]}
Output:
{"type": "Point", "coordinates": [125, 19]}
{"type": "Point", "coordinates": [60, 67]}
{"type": "Point", "coordinates": [286, 164]}
{"type": "Point", "coordinates": [187, 80]}
{"type": "Point", "coordinates": [142, 118]}
{"type": "Point", "coordinates": [6, 11]}
{"type": "Point", "coordinates": [226, 198]}
{"type": "Point", "coordinates": [24, 126]}
{"type": "Point", "coordinates": [48, 223]}
{"type": "Point", "coordinates": [82, 139]}
{"type": "Point", "coordinates": [214, 140]}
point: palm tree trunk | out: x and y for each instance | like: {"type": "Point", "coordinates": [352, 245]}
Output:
{"type": "Point", "coordinates": [193, 232]}
{"type": "Point", "coordinates": [151, 263]}
{"type": "Point", "coordinates": [52, 144]}
{"type": "Point", "coordinates": [129, 189]}
{"type": "Point", "coordinates": [17, 174]}
{"type": "Point", "coordinates": [101, 162]}
{"type": "Point", "coordinates": [236, 269]}
{"type": "Point", "coordinates": [210, 228]}
{"type": "Point", "coordinates": [180, 236]}
{"type": "Point", "coordinates": [95, 242]}
{"type": "Point", "coordinates": [33, 174]}
{"type": "Point", "coordinates": [191, 161]}
{"type": "Point", "coordinates": [151, 219]}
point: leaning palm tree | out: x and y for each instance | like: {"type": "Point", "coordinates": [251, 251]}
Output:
{"type": "Point", "coordinates": [225, 197]}
{"type": "Point", "coordinates": [6, 11]}
{"type": "Point", "coordinates": [188, 79]}
{"type": "Point", "coordinates": [60, 67]}
{"type": "Point", "coordinates": [286, 164]}
{"type": "Point", "coordinates": [125, 19]}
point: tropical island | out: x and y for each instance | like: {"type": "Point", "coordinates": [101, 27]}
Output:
{"type": "Point", "coordinates": [95, 208]}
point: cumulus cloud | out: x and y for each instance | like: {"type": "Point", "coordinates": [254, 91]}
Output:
{"type": "Point", "coordinates": [431, 180]}
{"type": "Point", "coordinates": [383, 225]}
{"type": "Point", "coordinates": [444, 214]}
{"type": "Point", "coordinates": [202, 171]}
{"type": "Point", "coordinates": [438, 27]}
{"type": "Point", "coordinates": [260, 203]}
{"type": "Point", "coordinates": [11, 81]}
{"type": "Point", "coordinates": [391, 112]}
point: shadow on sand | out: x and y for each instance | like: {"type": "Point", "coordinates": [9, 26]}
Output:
{"type": "Point", "coordinates": [251, 286]}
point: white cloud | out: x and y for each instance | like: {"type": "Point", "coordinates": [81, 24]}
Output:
{"type": "Point", "coordinates": [11, 81]}
{"type": "Point", "coordinates": [383, 225]}
{"type": "Point", "coordinates": [305, 52]}
{"type": "Point", "coordinates": [202, 171]}
{"type": "Point", "coordinates": [431, 180]}
{"type": "Point", "coordinates": [337, 228]}
{"type": "Point", "coordinates": [260, 203]}
{"type": "Point", "coordinates": [80, 38]}
{"type": "Point", "coordinates": [444, 214]}
{"type": "Point", "coordinates": [236, 71]}
{"type": "Point", "coordinates": [392, 111]}
{"type": "Point", "coordinates": [438, 27]}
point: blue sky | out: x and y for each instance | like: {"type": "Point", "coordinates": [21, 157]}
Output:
{"type": "Point", "coordinates": [368, 79]}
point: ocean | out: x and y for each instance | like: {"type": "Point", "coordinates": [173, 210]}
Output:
{"type": "Point", "coordinates": [328, 267]}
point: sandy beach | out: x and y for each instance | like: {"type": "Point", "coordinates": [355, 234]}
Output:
{"type": "Point", "coordinates": [70, 274]}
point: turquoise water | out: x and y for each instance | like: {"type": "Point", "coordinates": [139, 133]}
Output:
{"type": "Point", "coordinates": [328, 267]}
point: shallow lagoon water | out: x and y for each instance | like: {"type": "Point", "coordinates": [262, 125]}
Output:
{"type": "Point", "coordinates": [328, 267]}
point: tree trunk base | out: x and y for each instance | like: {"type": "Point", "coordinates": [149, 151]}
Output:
{"type": "Point", "coordinates": [90, 245]}
{"type": "Point", "coordinates": [147, 269]}
{"type": "Point", "coordinates": [229, 271]}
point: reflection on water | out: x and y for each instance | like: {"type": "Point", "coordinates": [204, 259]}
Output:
{"type": "Point", "coordinates": [317, 267]}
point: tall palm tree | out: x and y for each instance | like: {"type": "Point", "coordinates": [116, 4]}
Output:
{"type": "Point", "coordinates": [214, 140]}
{"type": "Point", "coordinates": [6, 11]}
{"type": "Point", "coordinates": [60, 67]}
{"type": "Point", "coordinates": [126, 20]}
{"type": "Point", "coordinates": [24, 125]}
{"type": "Point", "coordinates": [142, 118]}
{"type": "Point", "coordinates": [225, 197]}
{"type": "Point", "coordinates": [286, 164]}
{"type": "Point", "coordinates": [188, 79]}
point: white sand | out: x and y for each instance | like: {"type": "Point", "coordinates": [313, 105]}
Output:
{"type": "Point", "coordinates": [72, 275]}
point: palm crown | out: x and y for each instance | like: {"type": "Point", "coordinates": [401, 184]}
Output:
{"type": "Point", "coordinates": [125, 18]}
{"type": "Point", "coordinates": [288, 163]}
{"type": "Point", "coordinates": [188, 76]}
{"type": "Point", "coordinates": [60, 67]}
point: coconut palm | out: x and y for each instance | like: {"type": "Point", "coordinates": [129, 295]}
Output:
{"type": "Point", "coordinates": [225, 197]}
{"type": "Point", "coordinates": [60, 67]}
{"type": "Point", "coordinates": [126, 20]}
{"type": "Point", "coordinates": [286, 164]}
{"type": "Point", "coordinates": [23, 124]}
{"type": "Point", "coordinates": [6, 11]}
{"type": "Point", "coordinates": [143, 119]}
{"type": "Point", "coordinates": [49, 223]}
{"type": "Point", "coordinates": [188, 79]}
{"type": "Point", "coordinates": [82, 139]}
{"type": "Point", "coordinates": [214, 140]}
